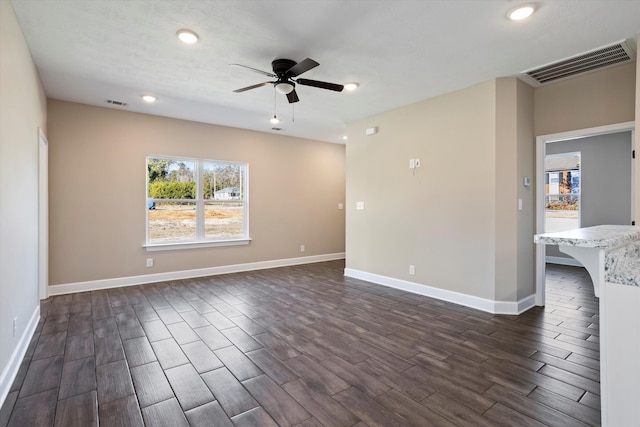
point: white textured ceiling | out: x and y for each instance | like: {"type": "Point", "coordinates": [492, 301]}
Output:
{"type": "Point", "coordinates": [401, 51]}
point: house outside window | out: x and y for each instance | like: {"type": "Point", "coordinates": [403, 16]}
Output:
{"type": "Point", "coordinates": [196, 202]}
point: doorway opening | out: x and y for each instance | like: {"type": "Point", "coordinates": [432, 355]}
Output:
{"type": "Point", "coordinates": [592, 211]}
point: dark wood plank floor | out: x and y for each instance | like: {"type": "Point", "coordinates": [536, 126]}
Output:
{"type": "Point", "coordinates": [305, 346]}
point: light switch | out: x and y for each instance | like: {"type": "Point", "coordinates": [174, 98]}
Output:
{"type": "Point", "coordinates": [360, 206]}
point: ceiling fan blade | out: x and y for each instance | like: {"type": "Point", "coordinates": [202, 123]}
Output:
{"type": "Point", "coordinates": [301, 67]}
{"type": "Point", "coordinates": [266, 73]}
{"type": "Point", "coordinates": [321, 85]}
{"type": "Point", "coordinates": [292, 97]}
{"type": "Point", "coordinates": [252, 87]}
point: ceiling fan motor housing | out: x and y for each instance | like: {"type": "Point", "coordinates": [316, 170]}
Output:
{"type": "Point", "coordinates": [281, 66]}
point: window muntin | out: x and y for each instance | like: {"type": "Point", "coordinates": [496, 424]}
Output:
{"type": "Point", "coordinates": [196, 201]}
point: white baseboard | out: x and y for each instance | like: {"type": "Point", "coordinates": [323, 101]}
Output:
{"type": "Point", "coordinates": [562, 261]}
{"type": "Point", "coordinates": [490, 306]}
{"type": "Point", "coordinates": [94, 285]}
{"type": "Point", "coordinates": [13, 366]}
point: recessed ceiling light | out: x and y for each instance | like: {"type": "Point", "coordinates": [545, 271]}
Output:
{"type": "Point", "coordinates": [351, 86]}
{"type": "Point", "coordinates": [345, 137]}
{"type": "Point", "coordinates": [521, 12]}
{"type": "Point", "coordinates": [149, 98]}
{"type": "Point", "coordinates": [187, 36]}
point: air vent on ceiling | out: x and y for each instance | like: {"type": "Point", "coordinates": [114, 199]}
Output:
{"type": "Point", "coordinates": [598, 59]}
{"type": "Point", "coordinates": [117, 103]}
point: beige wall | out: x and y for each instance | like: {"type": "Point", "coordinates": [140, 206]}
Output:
{"type": "Point", "coordinates": [456, 219]}
{"type": "Point", "coordinates": [97, 192]}
{"type": "Point", "coordinates": [526, 168]}
{"type": "Point", "coordinates": [596, 99]}
{"type": "Point", "coordinates": [22, 111]}
{"type": "Point", "coordinates": [514, 160]}
{"type": "Point", "coordinates": [440, 219]}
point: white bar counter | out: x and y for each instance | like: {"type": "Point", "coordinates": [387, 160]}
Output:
{"type": "Point", "coordinates": [611, 255]}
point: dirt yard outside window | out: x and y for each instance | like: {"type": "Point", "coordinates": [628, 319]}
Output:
{"type": "Point", "coordinates": [177, 222]}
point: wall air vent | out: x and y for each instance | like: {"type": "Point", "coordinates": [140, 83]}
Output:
{"type": "Point", "coordinates": [598, 59]}
{"type": "Point", "coordinates": [116, 103]}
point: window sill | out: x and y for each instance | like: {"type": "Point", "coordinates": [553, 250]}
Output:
{"type": "Point", "coordinates": [153, 247]}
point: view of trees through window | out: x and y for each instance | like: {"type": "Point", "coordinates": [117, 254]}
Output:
{"type": "Point", "coordinates": [194, 200]}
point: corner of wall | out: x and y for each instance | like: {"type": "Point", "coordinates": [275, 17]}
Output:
{"type": "Point", "coordinates": [636, 191]}
{"type": "Point", "coordinates": [22, 112]}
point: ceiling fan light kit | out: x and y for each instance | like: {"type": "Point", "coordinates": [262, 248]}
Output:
{"type": "Point", "coordinates": [284, 87]}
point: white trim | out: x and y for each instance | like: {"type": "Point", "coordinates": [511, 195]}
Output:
{"type": "Point", "coordinates": [541, 142]}
{"type": "Point", "coordinates": [94, 285]}
{"type": "Point", "coordinates": [13, 365]}
{"type": "Point", "coordinates": [490, 306]}
{"type": "Point", "coordinates": [562, 261]}
{"type": "Point", "coordinates": [153, 247]}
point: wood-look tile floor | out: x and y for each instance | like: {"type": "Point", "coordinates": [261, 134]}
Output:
{"type": "Point", "coordinates": [305, 346]}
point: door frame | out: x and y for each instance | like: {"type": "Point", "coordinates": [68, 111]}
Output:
{"type": "Point", "coordinates": [43, 215]}
{"type": "Point", "coordinates": [541, 142]}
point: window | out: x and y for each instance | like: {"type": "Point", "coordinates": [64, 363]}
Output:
{"type": "Point", "coordinates": [196, 202]}
{"type": "Point", "coordinates": [562, 191]}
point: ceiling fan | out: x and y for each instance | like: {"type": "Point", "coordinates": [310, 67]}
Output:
{"type": "Point", "coordinates": [284, 71]}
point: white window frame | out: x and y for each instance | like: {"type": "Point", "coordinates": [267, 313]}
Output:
{"type": "Point", "coordinates": [200, 241]}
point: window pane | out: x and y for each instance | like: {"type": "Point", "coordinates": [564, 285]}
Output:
{"type": "Point", "coordinates": [222, 181]}
{"type": "Point", "coordinates": [562, 192]}
{"type": "Point", "coordinates": [171, 179]}
{"type": "Point", "coordinates": [223, 220]}
{"type": "Point", "coordinates": [172, 222]}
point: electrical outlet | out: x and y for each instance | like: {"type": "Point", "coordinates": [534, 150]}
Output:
{"type": "Point", "coordinates": [340, 206]}
{"type": "Point", "coordinates": [15, 326]}
{"type": "Point", "coordinates": [149, 262]}
{"type": "Point", "coordinates": [301, 248]}
{"type": "Point", "coordinates": [412, 270]}
{"type": "Point", "coordinates": [412, 163]}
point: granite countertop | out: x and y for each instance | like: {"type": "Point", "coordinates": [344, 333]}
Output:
{"type": "Point", "coordinates": [628, 274]}
{"type": "Point", "coordinates": [622, 265]}
{"type": "Point", "coordinates": [600, 236]}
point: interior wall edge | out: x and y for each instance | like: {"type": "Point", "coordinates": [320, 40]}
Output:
{"type": "Point", "coordinates": [471, 301]}
{"type": "Point", "coordinates": [94, 285]}
{"type": "Point", "coordinates": [13, 366]}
